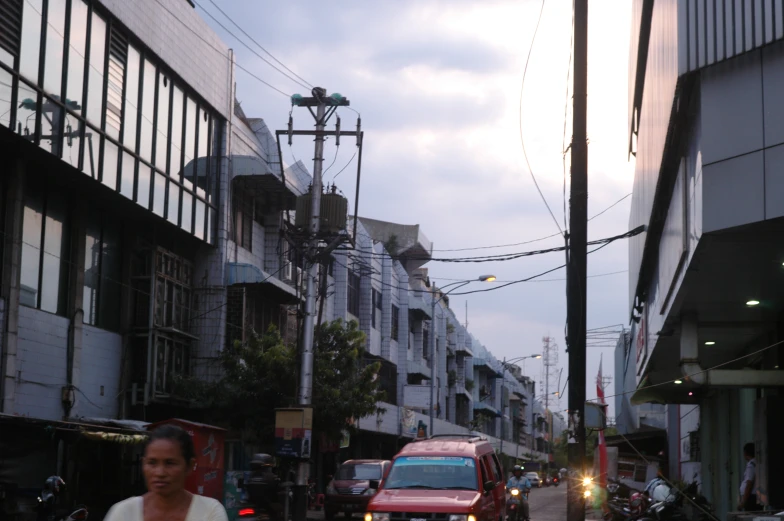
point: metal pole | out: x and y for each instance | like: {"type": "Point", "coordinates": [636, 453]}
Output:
{"type": "Point", "coordinates": [432, 357]}
{"type": "Point", "coordinates": [503, 407]}
{"type": "Point", "coordinates": [576, 266]}
{"type": "Point", "coordinates": [306, 366]}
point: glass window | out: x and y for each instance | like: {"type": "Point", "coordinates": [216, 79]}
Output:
{"type": "Point", "coordinates": [118, 54]}
{"type": "Point", "coordinates": [202, 152]}
{"type": "Point", "coordinates": [77, 45]}
{"type": "Point", "coordinates": [353, 293]}
{"type": "Point", "coordinates": [187, 212]}
{"type": "Point", "coordinates": [189, 148]}
{"type": "Point", "coordinates": [211, 220]}
{"type": "Point", "coordinates": [173, 209]}
{"type": "Point", "coordinates": [143, 187]}
{"type": "Point", "coordinates": [92, 143]}
{"type": "Point", "coordinates": [6, 90]}
{"type": "Point", "coordinates": [162, 122]}
{"type": "Point", "coordinates": [200, 216]}
{"type": "Point", "coordinates": [55, 36]}
{"type": "Point", "coordinates": [31, 40]}
{"type": "Point", "coordinates": [27, 108]}
{"type": "Point", "coordinates": [95, 82]}
{"type": "Point", "coordinates": [131, 113]}
{"type": "Point", "coordinates": [110, 158]}
{"type": "Point", "coordinates": [159, 194]}
{"type": "Point", "coordinates": [433, 472]}
{"type": "Point", "coordinates": [102, 271]}
{"type": "Point", "coordinates": [51, 113]}
{"type": "Point", "coordinates": [73, 139]}
{"type": "Point", "coordinates": [127, 174]}
{"type": "Point", "coordinates": [148, 111]}
{"type": "Point", "coordinates": [32, 226]}
{"type": "Point", "coordinates": [175, 159]}
{"type": "Point", "coordinates": [395, 322]}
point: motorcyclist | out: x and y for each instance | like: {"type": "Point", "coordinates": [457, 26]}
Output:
{"type": "Point", "coordinates": [263, 484]}
{"type": "Point", "coordinates": [523, 484]}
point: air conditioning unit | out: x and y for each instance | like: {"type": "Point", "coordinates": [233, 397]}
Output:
{"type": "Point", "coordinates": [300, 280]}
{"type": "Point", "coordinates": [288, 270]}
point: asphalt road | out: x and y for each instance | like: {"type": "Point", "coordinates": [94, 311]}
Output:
{"type": "Point", "coordinates": [548, 503]}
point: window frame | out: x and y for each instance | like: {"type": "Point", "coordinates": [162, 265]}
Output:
{"type": "Point", "coordinates": [352, 292]}
{"type": "Point", "coordinates": [395, 330]}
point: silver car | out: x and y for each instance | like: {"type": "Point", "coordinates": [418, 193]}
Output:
{"type": "Point", "coordinates": [533, 477]}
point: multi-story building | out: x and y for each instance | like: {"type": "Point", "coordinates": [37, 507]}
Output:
{"type": "Point", "coordinates": [705, 276]}
{"type": "Point", "coordinates": [632, 418]}
{"type": "Point", "coordinates": [143, 220]}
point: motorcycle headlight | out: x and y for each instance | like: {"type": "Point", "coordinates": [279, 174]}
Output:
{"type": "Point", "coordinates": [587, 482]}
{"type": "Point", "coordinates": [515, 492]}
{"type": "Point", "coordinates": [377, 516]}
{"type": "Point", "coordinates": [462, 517]}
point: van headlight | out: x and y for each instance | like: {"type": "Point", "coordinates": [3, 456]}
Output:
{"type": "Point", "coordinates": [462, 517]}
{"type": "Point", "coordinates": [377, 516]}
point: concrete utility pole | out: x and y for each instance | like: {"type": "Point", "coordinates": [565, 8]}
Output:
{"type": "Point", "coordinates": [576, 266]}
{"type": "Point", "coordinates": [320, 101]}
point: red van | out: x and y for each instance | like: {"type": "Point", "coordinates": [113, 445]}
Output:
{"type": "Point", "coordinates": [349, 491]}
{"type": "Point", "coordinates": [454, 478]}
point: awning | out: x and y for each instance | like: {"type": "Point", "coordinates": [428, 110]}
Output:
{"type": "Point", "coordinates": [267, 185]}
{"type": "Point", "coordinates": [239, 274]}
{"type": "Point", "coordinates": [116, 437]}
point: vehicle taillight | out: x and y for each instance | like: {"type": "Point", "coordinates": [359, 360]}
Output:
{"type": "Point", "coordinates": [245, 512]}
{"type": "Point", "coordinates": [81, 514]}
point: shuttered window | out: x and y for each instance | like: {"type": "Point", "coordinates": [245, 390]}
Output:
{"type": "Point", "coordinates": [10, 29]}
{"type": "Point", "coordinates": [118, 57]}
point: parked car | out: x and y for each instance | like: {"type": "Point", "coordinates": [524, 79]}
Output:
{"type": "Point", "coordinates": [349, 491]}
{"type": "Point", "coordinates": [449, 477]}
{"type": "Point", "coordinates": [533, 477]}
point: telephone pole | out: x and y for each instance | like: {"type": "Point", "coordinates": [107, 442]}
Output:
{"type": "Point", "coordinates": [576, 266]}
{"type": "Point", "coordinates": [320, 101]}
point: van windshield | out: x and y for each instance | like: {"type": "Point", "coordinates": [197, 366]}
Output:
{"type": "Point", "coordinates": [432, 472]}
{"type": "Point", "coordinates": [359, 472]}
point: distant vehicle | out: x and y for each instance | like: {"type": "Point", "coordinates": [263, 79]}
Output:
{"type": "Point", "coordinates": [350, 491]}
{"type": "Point", "coordinates": [533, 477]}
{"type": "Point", "coordinates": [442, 477]}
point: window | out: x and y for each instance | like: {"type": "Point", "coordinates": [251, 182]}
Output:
{"type": "Point", "coordinates": [353, 293]}
{"type": "Point", "coordinates": [96, 68]}
{"type": "Point", "coordinates": [31, 39]}
{"type": "Point", "coordinates": [162, 122]}
{"type": "Point", "coordinates": [175, 157]}
{"type": "Point", "coordinates": [148, 110]}
{"type": "Point", "coordinates": [173, 292]}
{"type": "Point", "coordinates": [497, 467]}
{"type": "Point", "coordinates": [243, 218]}
{"type": "Point", "coordinates": [102, 272]}
{"type": "Point", "coordinates": [172, 358]}
{"type": "Point", "coordinates": [11, 19]}
{"type": "Point", "coordinates": [118, 56]}
{"type": "Point", "coordinates": [55, 22]}
{"type": "Point", "coordinates": [395, 322]}
{"type": "Point", "coordinates": [376, 309]}
{"type": "Point", "coordinates": [45, 252]}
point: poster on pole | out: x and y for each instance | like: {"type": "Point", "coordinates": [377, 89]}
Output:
{"type": "Point", "coordinates": [408, 422]}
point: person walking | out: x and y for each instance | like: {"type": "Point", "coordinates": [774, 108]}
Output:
{"type": "Point", "coordinates": [169, 457]}
{"type": "Point", "coordinates": [748, 487]}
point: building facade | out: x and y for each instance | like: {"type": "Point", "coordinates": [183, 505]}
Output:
{"type": "Point", "coordinates": [705, 277]}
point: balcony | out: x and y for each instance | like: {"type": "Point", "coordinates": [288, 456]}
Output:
{"type": "Point", "coordinates": [419, 369]}
{"type": "Point", "coordinates": [417, 306]}
{"type": "Point", "coordinates": [461, 391]}
{"type": "Point", "coordinates": [462, 349]}
{"type": "Point", "coordinates": [485, 408]}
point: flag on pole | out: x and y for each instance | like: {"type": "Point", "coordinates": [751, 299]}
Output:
{"type": "Point", "coordinates": [602, 444]}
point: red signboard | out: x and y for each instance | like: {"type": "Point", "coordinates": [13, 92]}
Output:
{"type": "Point", "coordinates": [207, 478]}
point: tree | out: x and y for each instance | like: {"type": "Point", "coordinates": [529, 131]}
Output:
{"type": "Point", "coordinates": [261, 375]}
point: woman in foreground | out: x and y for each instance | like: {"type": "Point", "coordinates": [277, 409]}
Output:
{"type": "Point", "coordinates": [169, 457]}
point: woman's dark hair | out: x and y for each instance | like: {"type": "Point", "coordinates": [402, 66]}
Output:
{"type": "Point", "coordinates": [176, 434]}
{"type": "Point", "coordinates": [748, 450]}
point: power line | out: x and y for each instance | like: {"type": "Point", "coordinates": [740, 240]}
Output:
{"type": "Point", "coordinates": [262, 58]}
{"type": "Point", "coordinates": [258, 44]}
{"type": "Point", "coordinates": [522, 139]}
{"type": "Point", "coordinates": [219, 51]}
{"type": "Point", "coordinates": [532, 240]}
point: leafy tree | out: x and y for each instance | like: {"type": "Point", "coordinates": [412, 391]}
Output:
{"type": "Point", "coordinates": [261, 375]}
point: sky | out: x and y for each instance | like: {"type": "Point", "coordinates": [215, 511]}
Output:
{"type": "Point", "coordinates": [438, 86]}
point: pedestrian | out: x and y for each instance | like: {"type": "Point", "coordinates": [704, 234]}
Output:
{"type": "Point", "coordinates": [748, 487]}
{"type": "Point", "coordinates": [169, 457]}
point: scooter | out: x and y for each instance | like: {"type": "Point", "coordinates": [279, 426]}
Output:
{"type": "Point", "coordinates": [47, 503]}
{"type": "Point", "coordinates": [514, 505]}
{"type": "Point", "coordinates": [556, 481]}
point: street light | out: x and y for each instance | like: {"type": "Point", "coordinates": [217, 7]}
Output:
{"type": "Point", "coordinates": [504, 365]}
{"type": "Point", "coordinates": [460, 284]}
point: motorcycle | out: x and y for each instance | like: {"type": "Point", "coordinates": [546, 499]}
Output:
{"type": "Point", "coordinates": [620, 509]}
{"type": "Point", "coordinates": [556, 481]}
{"type": "Point", "coordinates": [514, 505]}
{"type": "Point", "coordinates": [46, 508]}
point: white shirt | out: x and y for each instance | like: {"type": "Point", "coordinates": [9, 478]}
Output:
{"type": "Point", "coordinates": [749, 476]}
{"type": "Point", "coordinates": [201, 509]}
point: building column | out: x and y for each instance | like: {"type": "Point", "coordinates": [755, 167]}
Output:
{"type": "Point", "coordinates": [12, 261]}
{"type": "Point", "coordinates": [76, 300]}
{"type": "Point", "coordinates": [442, 376]}
{"type": "Point", "coordinates": [402, 337]}
{"type": "Point", "coordinates": [386, 307]}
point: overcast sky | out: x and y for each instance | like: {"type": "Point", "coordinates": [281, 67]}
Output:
{"type": "Point", "coordinates": [438, 85]}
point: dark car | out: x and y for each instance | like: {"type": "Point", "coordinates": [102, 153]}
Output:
{"type": "Point", "coordinates": [349, 491]}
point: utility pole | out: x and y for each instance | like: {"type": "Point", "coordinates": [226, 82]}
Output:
{"type": "Point", "coordinates": [576, 265]}
{"type": "Point", "coordinates": [319, 101]}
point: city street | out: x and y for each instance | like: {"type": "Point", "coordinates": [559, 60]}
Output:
{"type": "Point", "coordinates": [548, 504]}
